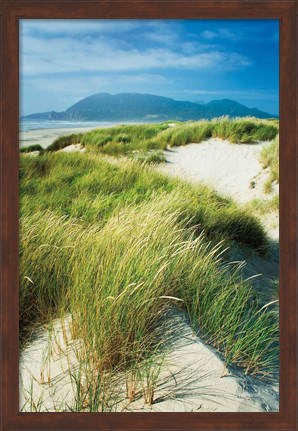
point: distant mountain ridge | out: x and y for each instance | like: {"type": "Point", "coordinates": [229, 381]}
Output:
{"type": "Point", "coordinates": [146, 107]}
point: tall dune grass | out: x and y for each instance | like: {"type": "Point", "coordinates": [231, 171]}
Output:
{"type": "Point", "coordinates": [128, 139]}
{"type": "Point", "coordinates": [93, 189]}
{"type": "Point", "coordinates": [269, 158]}
{"type": "Point", "coordinates": [64, 141]}
{"type": "Point", "coordinates": [244, 130]}
{"type": "Point", "coordinates": [115, 244]}
{"type": "Point", "coordinates": [117, 281]}
{"type": "Point", "coordinates": [30, 148]}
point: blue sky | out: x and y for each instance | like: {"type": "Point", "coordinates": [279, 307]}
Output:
{"type": "Point", "coordinates": [63, 61]}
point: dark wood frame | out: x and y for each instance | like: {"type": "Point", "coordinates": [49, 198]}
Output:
{"type": "Point", "coordinates": [286, 12]}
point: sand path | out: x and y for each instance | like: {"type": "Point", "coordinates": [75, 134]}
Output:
{"type": "Point", "coordinates": [231, 169]}
{"type": "Point", "coordinates": [193, 376]}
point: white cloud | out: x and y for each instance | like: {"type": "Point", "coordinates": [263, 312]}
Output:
{"type": "Point", "coordinates": [76, 28]}
{"type": "Point", "coordinates": [162, 32]}
{"type": "Point", "coordinates": [60, 46]}
{"type": "Point", "coordinates": [221, 33]}
{"type": "Point", "coordinates": [66, 55]}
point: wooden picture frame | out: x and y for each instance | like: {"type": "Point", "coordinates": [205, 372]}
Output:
{"type": "Point", "coordinates": [286, 13]}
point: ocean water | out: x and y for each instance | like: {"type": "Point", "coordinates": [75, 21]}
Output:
{"type": "Point", "coordinates": [27, 124]}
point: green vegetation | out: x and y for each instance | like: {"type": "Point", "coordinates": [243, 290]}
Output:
{"type": "Point", "coordinates": [124, 140]}
{"type": "Point", "coordinates": [89, 229]}
{"type": "Point", "coordinates": [64, 141]}
{"type": "Point", "coordinates": [269, 158]}
{"type": "Point", "coordinates": [152, 157]}
{"type": "Point", "coordinates": [102, 276]}
{"type": "Point", "coordinates": [115, 244]}
{"type": "Point", "coordinates": [30, 148]}
{"type": "Point", "coordinates": [263, 206]}
{"type": "Point", "coordinates": [92, 189]}
{"type": "Point", "coordinates": [239, 131]}
{"type": "Point", "coordinates": [145, 138]}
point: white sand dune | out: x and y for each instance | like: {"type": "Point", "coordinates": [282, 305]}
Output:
{"type": "Point", "coordinates": [193, 376]}
{"type": "Point", "coordinates": [46, 365]}
{"type": "Point", "coordinates": [73, 148]}
{"type": "Point", "coordinates": [231, 169]}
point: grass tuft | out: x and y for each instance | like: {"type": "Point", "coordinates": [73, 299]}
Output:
{"type": "Point", "coordinates": [30, 148]}
{"type": "Point", "coordinates": [65, 141]}
{"type": "Point", "coordinates": [269, 158]}
{"type": "Point", "coordinates": [151, 157]}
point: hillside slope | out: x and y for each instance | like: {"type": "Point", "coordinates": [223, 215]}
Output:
{"type": "Point", "coordinates": [146, 107]}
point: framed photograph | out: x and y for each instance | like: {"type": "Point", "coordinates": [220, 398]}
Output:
{"type": "Point", "coordinates": [149, 215]}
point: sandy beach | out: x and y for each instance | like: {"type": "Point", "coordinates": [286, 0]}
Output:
{"type": "Point", "coordinates": [45, 137]}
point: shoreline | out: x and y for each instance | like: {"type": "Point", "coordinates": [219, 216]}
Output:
{"type": "Point", "coordinates": [45, 137]}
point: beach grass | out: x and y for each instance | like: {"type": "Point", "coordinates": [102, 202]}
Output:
{"type": "Point", "coordinates": [91, 188]}
{"type": "Point", "coordinates": [263, 206]}
{"type": "Point", "coordinates": [30, 148]}
{"type": "Point", "coordinates": [64, 141]}
{"type": "Point", "coordinates": [111, 243]}
{"type": "Point", "coordinates": [115, 244]}
{"type": "Point", "coordinates": [151, 157]}
{"type": "Point", "coordinates": [118, 280]}
{"type": "Point", "coordinates": [269, 158]}
{"type": "Point", "coordinates": [145, 138]}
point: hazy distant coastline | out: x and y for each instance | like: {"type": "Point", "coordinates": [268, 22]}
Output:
{"type": "Point", "coordinates": [28, 124]}
{"type": "Point", "coordinates": [130, 107]}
